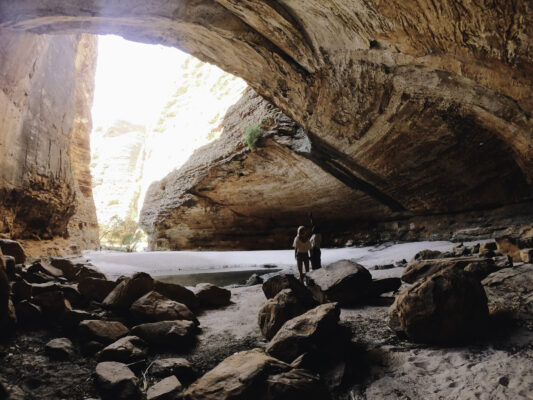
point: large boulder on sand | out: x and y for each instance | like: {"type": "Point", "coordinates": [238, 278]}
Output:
{"type": "Point", "coordinates": [171, 335]}
{"type": "Point", "coordinates": [14, 249]}
{"type": "Point", "coordinates": [102, 331]}
{"type": "Point", "coordinates": [343, 281]}
{"type": "Point", "coordinates": [177, 293]}
{"type": "Point", "coordinates": [448, 307]}
{"type": "Point", "coordinates": [95, 288]}
{"type": "Point", "coordinates": [115, 381]}
{"type": "Point", "coordinates": [254, 375]}
{"type": "Point", "coordinates": [278, 310]}
{"type": "Point", "coordinates": [211, 296]}
{"type": "Point", "coordinates": [277, 283]}
{"type": "Point", "coordinates": [305, 333]}
{"type": "Point", "coordinates": [153, 306]}
{"type": "Point", "coordinates": [128, 290]}
{"type": "Point", "coordinates": [419, 269]}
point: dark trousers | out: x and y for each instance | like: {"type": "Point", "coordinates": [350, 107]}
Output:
{"type": "Point", "coordinates": [315, 258]}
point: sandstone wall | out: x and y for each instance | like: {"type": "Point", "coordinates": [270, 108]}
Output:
{"type": "Point", "coordinates": [423, 106]}
{"type": "Point", "coordinates": [47, 84]}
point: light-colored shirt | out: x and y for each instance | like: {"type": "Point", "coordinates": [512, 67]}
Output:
{"type": "Point", "coordinates": [316, 240]}
{"type": "Point", "coordinates": [301, 246]}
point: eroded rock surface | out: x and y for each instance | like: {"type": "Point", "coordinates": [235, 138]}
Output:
{"type": "Point", "coordinates": [47, 84]}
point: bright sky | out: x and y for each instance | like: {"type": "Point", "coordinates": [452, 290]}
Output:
{"type": "Point", "coordinates": [134, 85]}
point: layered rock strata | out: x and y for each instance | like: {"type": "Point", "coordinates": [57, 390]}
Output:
{"type": "Point", "coordinates": [47, 84]}
{"type": "Point", "coordinates": [423, 107]}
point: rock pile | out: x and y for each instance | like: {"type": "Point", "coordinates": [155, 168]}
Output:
{"type": "Point", "coordinates": [119, 323]}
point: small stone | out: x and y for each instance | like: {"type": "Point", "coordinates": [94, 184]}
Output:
{"type": "Point", "coordinates": [59, 349]}
{"type": "Point", "coordinates": [115, 381]}
{"type": "Point", "coordinates": [166, 389]}
{"type": "Point", "coordinates": [212, 296]}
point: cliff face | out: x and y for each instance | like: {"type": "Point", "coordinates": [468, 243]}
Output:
{"type": "Point", "coordinates": [227, 196]}
{"type": "Point", "coordinates": [45, 104]}
{"type": "Point", "coordinates": [423, 106]}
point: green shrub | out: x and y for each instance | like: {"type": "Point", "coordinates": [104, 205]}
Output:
{"type": "Point", "coordinates": [251, 135]}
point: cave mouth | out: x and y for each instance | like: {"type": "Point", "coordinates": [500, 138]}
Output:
{"type": "Point", "coordinates": [153, 106]}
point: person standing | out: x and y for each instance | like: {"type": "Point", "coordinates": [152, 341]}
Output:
{"type": "Point", "coordinates": [302, 246]}
{"type": "Point", "coordinates": [316, 254]}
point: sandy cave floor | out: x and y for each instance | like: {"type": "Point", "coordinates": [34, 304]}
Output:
{"type": "Point", "coordinates": [498, 368]}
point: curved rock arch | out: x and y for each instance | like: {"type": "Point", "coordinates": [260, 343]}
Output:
{"type": "Point", "coordinates": [428, 103]}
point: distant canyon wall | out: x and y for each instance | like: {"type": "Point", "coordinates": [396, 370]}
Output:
{"type": "Point", "coordinates": [47, 85]}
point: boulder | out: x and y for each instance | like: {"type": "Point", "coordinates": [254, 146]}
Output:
{"type": "Point", "coordinates": [179, 367]}
{"type": "Point", "coordinates": [10, 266]}
{"type": "Point", "coordinates": [128, 290]}
{"type": "Point", "coordinates": [72, 318]}
{"type": "Point", "coordinates": [115, 381]}
{"type": "Point", "coordinates": [526, 255]}
{"type": "Point", "coordinates": [509, 246]}
{"type": "Point", "coordinates": [14, 249]}
{"type": "Point", "coordinates": [21, 290]}
{"type": "Point", "coordinates": [305, 333]}
{"type": "Point", "coordinates": [177, 293]}
{"type": "Point", "coordinates": [380, 286]}
{"type": "Point", "coordinates": [175, 335]}
{"type": "Point", "coordinates": [153, 307]}
{"type": "Point", "coordinates": [488, 246]}
{"type": "Point", "coordinates": [59, 349]}
{"type": "Point", "coordinates": [254, 280]}
{"type": "Point", "coordinates": [127, 350]}
{"type": "Point", "coordinates": [511, 289]}
{"type": "Point", "coordinates": [95, 288]}
{"type": "Point", "coordinates": [277, 283]}
{"type": "Point", "coordinates": [66, 266]}
{"type": "Point", "coordinates": [480, 270]}
{"type": "Point", "coordinates": [343, 281]}
{"type": "Point", "coordinates": [211, 296]}
{"type": "Point", "coordinates": [102, 331]}
{"type": "Point", "coordinates": [278, 310]}
{"type": "Point", "coordinates": [40, 266]}
{"type": "Point", "coordinates": [83, 272]}
{"type": "Point", "coordinates": [427, 255]}
{"type": "Point", "coordinates": [419, 269]}
{"type": "Point", "coordinates": [166, 389]}
{"type": "Point", "coordinates": [29, 314]}
{"type": "Point", "coordinates": [255, 375]}
{"type": "Point", "coordinates": [5, 290]}
{"type": "Point", "coordinates": [448, 307]}
{"type": "Point", "coordinates": [53, 303]}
